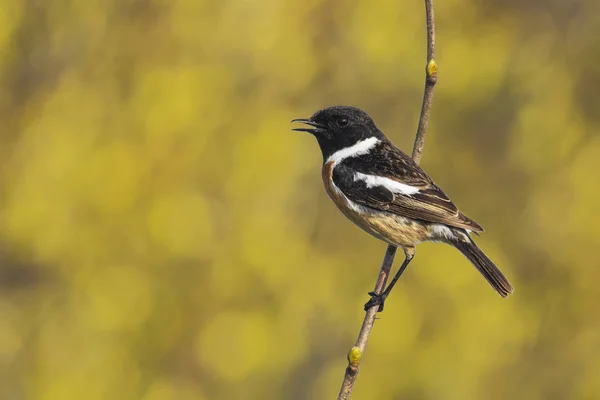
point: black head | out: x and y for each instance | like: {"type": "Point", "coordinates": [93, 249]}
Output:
{"type": "Point", "coordinates": [339, 127]}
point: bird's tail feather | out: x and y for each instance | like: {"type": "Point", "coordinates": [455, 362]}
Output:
{"type": "Point", "coordinates": [485, 266]}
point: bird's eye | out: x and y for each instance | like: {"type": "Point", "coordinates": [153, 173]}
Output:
{"type": "Point", "coordinates": [342, 122]}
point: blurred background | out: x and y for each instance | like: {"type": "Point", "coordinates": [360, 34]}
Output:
{"type": "Point", "coordinates": [164, 235]}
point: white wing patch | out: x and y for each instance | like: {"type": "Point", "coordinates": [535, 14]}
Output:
{"type": "Point", "coordinates": [360, 148]}
{"type": "Point", "coordinates": [390, 184]}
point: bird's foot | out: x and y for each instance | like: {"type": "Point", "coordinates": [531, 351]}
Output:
{"type": "Point", "coordinates": [376, 300]}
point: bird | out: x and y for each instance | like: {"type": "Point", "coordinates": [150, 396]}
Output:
{"type": "Point", "coordinates": [387, 194]}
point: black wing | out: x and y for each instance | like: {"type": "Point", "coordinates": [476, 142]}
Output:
{"type": "Point", "coordinates": [430, 203]}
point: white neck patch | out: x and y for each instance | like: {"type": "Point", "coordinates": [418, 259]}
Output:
{"type": "Point", "coordinates": [360, 148]}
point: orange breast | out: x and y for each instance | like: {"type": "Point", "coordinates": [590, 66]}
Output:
{"type": "Point", "coordinates": [327, 176]}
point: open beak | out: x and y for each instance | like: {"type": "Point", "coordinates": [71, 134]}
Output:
{"type": "Point", "coordinates": [316, 128]}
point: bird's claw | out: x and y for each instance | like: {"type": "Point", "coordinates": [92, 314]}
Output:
{"type": "Point", "coordinates": [376, 300]}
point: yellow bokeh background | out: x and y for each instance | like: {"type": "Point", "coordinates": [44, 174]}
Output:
{"type": "Point", "coordinates": [164, 235]}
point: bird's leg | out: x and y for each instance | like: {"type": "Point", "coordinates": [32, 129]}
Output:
{"type": "Point", "coordinates": [379, 299]}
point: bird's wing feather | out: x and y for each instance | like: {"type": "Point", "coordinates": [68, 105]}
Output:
{"type": "Point", "coordinates": [405, 189]}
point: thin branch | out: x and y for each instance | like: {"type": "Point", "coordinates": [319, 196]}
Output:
{"type": "Point", "coordinates": [430, 81]}
{"type": "Point", "coordinates": [356, 352]}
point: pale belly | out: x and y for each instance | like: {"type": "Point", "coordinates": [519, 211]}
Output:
{"type": "Point", "coordinates": [390, 228]}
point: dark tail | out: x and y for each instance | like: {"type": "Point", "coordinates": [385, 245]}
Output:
{"type": "Point", "coordinates": [484, 265]}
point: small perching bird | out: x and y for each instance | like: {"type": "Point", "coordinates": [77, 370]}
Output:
{"type": "Point", "coordinates": [384, 192]}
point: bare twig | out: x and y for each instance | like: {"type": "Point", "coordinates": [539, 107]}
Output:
{"type": "Point", "coordinates": [430, 81]}
{"type": "Point", "coordinates": [355, 353]}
